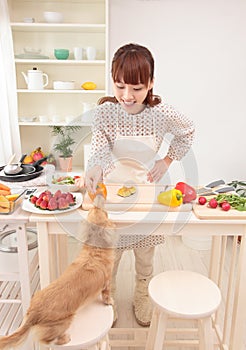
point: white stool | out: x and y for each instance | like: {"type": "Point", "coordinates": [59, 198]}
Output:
{"type": "Point", "coordinates": [186, 295]}
{"type": "Point", "coordinates": [89, 329]}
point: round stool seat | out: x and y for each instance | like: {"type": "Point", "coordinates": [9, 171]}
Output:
{"type": "Point", "coordinates": [90, 325]}
{"type": "Point", "coordinates": [184, 294]}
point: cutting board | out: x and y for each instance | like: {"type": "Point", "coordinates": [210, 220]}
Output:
{"type": "Point", "coordinates": [145, 199]}
{"type": "Point", "coordinates": [204, 212]}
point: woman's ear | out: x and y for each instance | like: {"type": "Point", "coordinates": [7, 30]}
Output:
{"type": "Point", "coordinates": [151, 84]}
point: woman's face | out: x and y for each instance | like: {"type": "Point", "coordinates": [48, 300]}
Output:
{"type": "Point", "coordinates": [131, 97]}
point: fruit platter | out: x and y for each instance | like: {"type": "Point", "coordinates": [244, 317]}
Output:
{"type": "Point", "coordinates": [48, 202]}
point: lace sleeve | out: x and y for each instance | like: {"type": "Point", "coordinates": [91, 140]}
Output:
{"type": "Point", "coordinates": [101, 143]}
{"type": "Point", "coordinates": [182, 130]}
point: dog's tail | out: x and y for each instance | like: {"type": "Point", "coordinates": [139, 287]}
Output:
{"type": "Point", "coordinates": [9, 341]}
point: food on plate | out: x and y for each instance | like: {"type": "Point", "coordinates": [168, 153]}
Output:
{"type": "Point", "coordinates": [202, 200]}
{"type": "Point", "coordinates": [189, 193]}
{"type": "Point", "coordinates": [64, 180]}
{"type": "Point", "coordinates": [171, 198]}
{"type": "Point", "coordinates": [89, 85]}
{"type": "Point", "coordinates": [100, 189]}
{"type": "Point", "coordinates": [53, 201]}
{"type": "Point", "coordinates": [6, 206]}
{"type": "Point", "coordinates": [126, 191]}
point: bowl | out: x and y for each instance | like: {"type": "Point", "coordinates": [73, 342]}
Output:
{"type": "Point", "coordinates": [61, 54]}
{"type": "Point", "coordinates": [53, 17]}
{"type": "Point", "coordinates": [63, 85]}
{"type": "Point", "coordinates": [32, 51]}
{"type": "Point", "coordinates": [63, 182]}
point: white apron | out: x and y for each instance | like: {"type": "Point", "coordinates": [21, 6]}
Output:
{"type": "Point", "coordinates": [132, 157]}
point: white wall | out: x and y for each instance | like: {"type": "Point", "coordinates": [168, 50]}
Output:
{"type": "Point", "coordinates": [200, 53]}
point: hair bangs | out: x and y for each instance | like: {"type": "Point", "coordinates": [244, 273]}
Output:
{"type": "Point", "coordinates": [132, 68]}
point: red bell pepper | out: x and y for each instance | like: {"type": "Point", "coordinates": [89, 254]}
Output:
{"type": "Point", "coordinates": [189, 193]}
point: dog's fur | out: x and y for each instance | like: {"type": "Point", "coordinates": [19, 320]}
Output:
{"type": "Point", "coordinates": [52, 309]}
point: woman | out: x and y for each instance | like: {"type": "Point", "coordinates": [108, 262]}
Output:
{"type": "Point", "coordinates": [127, 132]}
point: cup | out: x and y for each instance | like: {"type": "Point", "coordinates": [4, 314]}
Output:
{"type": "Point", "coordinates": [87, 106]}
{"type": "Point", "coordinates": [91, 52]}
{"type": "Point", "coordinates": [56, 118]}
{"type": "Point", "coordinates": [43, 118]}
{"type": "Point", "coordinates": [78, 53]}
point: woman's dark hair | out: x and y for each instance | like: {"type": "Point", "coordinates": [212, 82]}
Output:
{"type": "Point", "coordinates": [133, 64]}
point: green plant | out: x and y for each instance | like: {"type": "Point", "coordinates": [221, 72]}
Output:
{"type": "Point", "coordinates": [65, 139]}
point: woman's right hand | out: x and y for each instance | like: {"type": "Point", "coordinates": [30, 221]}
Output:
{"type": "Point", "coordinates": [92, 177]}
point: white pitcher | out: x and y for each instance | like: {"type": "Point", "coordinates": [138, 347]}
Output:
{"type": "Point", "coordinates": [35, 79]}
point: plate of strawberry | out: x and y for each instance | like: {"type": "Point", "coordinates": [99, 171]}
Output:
{"type": "Point", "coordinates": [48, 202]}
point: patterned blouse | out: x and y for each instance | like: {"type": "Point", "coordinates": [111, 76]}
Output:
{"type": "Point", "coordinates": [158, 121]}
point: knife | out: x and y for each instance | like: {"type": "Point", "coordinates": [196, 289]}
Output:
{"type": "Point", "coordinates": [210, 192]}
{"type": "Point", "coordinates": [210, 186]}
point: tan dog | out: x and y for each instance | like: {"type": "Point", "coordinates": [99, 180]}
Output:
{"type": "Point", "coordinates": [52, 309]}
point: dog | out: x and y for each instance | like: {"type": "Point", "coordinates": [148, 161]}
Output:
{"type": "Point", "coordinates": [52, 309]}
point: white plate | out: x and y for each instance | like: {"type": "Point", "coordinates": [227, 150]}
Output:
{"type": "Point", "coordinates": [28, 206]}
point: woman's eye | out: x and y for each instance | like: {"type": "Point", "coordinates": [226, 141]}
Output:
{"type": "Point", "coordinates": [138, 89]}
{"type": "Point", "coordinates": [120, 87]}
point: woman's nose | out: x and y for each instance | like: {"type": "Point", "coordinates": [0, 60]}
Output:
{"type": "Point", "coordinates": [128, 93]}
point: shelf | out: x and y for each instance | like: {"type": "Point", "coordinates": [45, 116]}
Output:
{"type": "Point", "coordinates": [50, 123]}
{"type": "Point", "coordinates": [52, 91]}
{"type": "Point", "coordinates": [60, 62]}
{"type": "Point", "coordinates": [58, 27]}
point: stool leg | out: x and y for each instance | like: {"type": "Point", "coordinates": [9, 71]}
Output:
{"type": "Point", "coordinates": [206, 339]}
{"type": "Point", "coordinates": [157, 330]}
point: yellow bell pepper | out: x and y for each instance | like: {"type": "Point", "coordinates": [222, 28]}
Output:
{"type": "Point", "coordinates": [171, 198]}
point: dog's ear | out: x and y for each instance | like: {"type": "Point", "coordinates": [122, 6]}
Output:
{"type": "Point", "coordinates": [99, 201]}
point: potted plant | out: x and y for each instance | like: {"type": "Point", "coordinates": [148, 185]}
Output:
{"type": "Point", "coordinates": [64, 143]}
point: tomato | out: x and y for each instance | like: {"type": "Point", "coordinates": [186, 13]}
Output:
{"type": "Point", "coordinates": [202, 200]}
{"type": "Point", "coordinates": [225, 206]}
{"type": "Point", "coordinates": [100, 189]}
{"type": "Point", "coordinates": [213, 203]}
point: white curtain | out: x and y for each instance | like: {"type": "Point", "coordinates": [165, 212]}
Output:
{"type": "Point", "coordinates": [9, 130]}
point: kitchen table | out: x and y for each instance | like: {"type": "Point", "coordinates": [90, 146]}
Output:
{"type": "Point", "coordinates": [230, 321]}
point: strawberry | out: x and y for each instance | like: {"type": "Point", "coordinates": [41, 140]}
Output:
{"type": "Point", "coordinates": [38, 201]}
{"type": "Point", "coordinates": [33, 199]}
{"type": "Point", "coordinates": [62, 204]}
{"type": "Point", "coordinates": [57, 194]}
{"type": "Point", "coordinates": [70, 198]}
{"type": "Point", "coordinates": [52, 205]}
{"type": "Point", "coordinates": [43, 205]}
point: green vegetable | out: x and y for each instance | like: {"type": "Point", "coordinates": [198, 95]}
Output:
{"type": "Point", "coordinates": [235, 201]}
{"type": "Point", "coordinates": [240, 187]}
{"type": "Point", "coordinates": [64, 180]}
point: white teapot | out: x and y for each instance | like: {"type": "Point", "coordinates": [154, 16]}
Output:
{"type": "Point", "coordinates": [35, 79]}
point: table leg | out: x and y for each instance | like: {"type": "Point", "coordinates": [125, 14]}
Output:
{"type": "Point", "coordinates": [24, 274]}
{"type": "Point", "coordinates": [44, 254]}
{"type": "Point", "coordinates": [238, 315]}
{"type": "Point", "coordinates": [62, 253]}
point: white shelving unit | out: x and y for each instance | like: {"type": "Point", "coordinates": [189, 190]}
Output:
{"type": "Point", "coordinates": [85, 23]}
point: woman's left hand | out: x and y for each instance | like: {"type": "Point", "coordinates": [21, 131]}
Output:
{"type": "Point", "coordinates": [159, 169]}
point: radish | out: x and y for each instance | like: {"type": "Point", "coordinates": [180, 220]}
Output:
{"type": "Point", "coordinates": [213, 203]}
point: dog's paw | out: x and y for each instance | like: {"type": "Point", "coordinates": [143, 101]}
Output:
{"type": "Point", "coordinates": [63, 339]}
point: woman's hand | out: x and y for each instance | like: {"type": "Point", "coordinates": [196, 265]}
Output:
{"type": "Point", "coordinates": [159, 169]}
{"type": "Point", "coordinates": [92, 177]}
